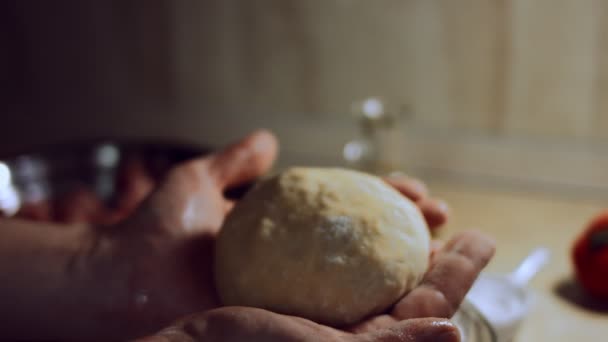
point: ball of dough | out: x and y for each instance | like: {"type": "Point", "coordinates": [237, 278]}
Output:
{"type": "Point", "coordinates": [331, 245]}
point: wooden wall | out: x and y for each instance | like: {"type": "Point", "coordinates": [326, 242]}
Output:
{"type": "Point", "coordinates": [505, 89]}
{"type": "Point", "coordinates": [519, 68]}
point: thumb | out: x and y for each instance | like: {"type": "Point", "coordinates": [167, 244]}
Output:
{"type": "Point", "coordinates": [245, 160]}
{"type": "Point", "coordinates": [416, 330]}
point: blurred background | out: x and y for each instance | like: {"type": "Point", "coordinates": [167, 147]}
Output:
{"type": "Point", "coordinates": [497, 91]}
{"type": "Point", "coordinates": [500, 106]}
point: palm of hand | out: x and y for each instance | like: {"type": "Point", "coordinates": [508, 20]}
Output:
{"type": "Point", "coordinates": [173, 264]}
{"type": "Point", "coordinates": [170, 238]}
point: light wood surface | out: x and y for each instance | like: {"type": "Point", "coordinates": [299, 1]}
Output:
{"type": "Point", "coordinates": [520, 222]}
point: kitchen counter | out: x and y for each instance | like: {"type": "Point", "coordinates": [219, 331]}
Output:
{"type": "Point", "coordinates": [521, 220]}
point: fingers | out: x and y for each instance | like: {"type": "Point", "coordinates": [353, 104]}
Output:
{"type": "Point", "coordinates": [415, 330]}
{"type": "Point", "coordinates": [39, 211]}
{"type": "Point", "coordinates": [411, 188]}
{"type": "Point", "coordinates": [135, 183]}
{"type": "Point", "coordinates": [78, 205]}
{"type": "Point", "coordinates": [248, 324]}
{"type": "Point", "coordinates": [245, 160]}
{"type": "Point", "coordinates": [435, 211]}
{"type": "Point", "coordinates": [452, 273]}
{"type": "Point", "coordinates": [436, 246]}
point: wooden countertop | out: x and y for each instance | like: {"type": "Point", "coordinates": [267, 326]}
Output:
{"type": "Point", "coordinates": [521, 221]}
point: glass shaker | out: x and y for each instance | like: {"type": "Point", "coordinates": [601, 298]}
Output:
{"type": "Point", "coordinates": [378, 149]}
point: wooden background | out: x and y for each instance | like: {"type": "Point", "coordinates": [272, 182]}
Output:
{"type": "Point", "coordinates": [518, 68]}
{"type": "Point", "coordinates": [510, 91]}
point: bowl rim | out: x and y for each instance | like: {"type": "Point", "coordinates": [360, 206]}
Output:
{"type": "Point", "coordinates": [470, 309]}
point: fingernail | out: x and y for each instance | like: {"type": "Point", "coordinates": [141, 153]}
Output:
{"type": "Point", "coordinates": [263, 141]}
{"type": "Point", "coordinates": [443, 331]}
{"type": "Point", "coordinates": [419, 186]}
{"type": "Point", "coordinates": [443, 206]}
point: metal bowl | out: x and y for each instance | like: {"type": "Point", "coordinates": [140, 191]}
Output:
{"type": "Point", "coordinates": [54, 170]}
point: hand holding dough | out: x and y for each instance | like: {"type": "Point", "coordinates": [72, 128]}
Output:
{"type": "Point", "coordinates": [330, 245]}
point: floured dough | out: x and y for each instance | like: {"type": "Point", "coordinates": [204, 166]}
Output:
{"type": "Point", "coordinates": [331, 245]}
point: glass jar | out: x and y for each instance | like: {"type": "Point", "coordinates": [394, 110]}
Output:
{"type": "Point", "coordinates": [473, 325]}
{"type": "Point", "coordinates": [378, 149]}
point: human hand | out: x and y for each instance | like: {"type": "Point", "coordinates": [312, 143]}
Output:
{"type": "Point", "coordinates": [230, 324]}
{"type": "Point", "coordinates": [453, 270]}
{"type": "Point", "coordinates": [89, 278]}
{"type": "Point", "coordinates": [168, 242]}
{"type": "Point", "coordinates": [133, 277]}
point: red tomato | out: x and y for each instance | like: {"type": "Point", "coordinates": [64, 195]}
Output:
{"type": "Point", "coordinates": [590, 256]}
